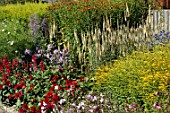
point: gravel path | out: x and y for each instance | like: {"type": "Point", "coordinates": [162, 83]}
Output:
{"type": "Point", "coordinates": [5, 109]}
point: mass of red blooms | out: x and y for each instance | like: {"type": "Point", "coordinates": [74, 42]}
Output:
{"type": "Point", "coordinates": [21, 84]}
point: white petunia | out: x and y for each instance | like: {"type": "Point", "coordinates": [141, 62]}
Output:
{"type": "Point", "coordinates": [11, 42]}
{"type": "Point", "coordinates": [62, 101]}
{"type": "Point", "coordinates": [56, 87]}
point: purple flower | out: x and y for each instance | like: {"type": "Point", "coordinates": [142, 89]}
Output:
{"type": "Point", "coordinates": [134, 106]}
{"type": "Point", "coordinates": [55, 51]}
{"type": "Point", "coordinates": [27, 51]}
{"type": "Point", "coordinates": [49, 47]}
{"type": "Point", "coordinates": [61, 60]}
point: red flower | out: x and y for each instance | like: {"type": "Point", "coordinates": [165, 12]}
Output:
{"type": "Point", "coordinates": [18, 95]}
{"type": "Point", "coordinates": [10, 96]}
{"type": "Point", "coordinates": [16, 86]}
{"type": "Point", "coordinates": [7, 83]}
{"type": "Point", "coordinates": [54, 79]}
{"type": "Point", "coordinates": [22, 84]}
{"type": "Point", "coordinates": [64, 77]}
{"type": "Point", "coordinates": [49, 94]}
{"type": "Point", "coordinates": [8, 71]}
{"type": "Point", "coordinates": [43, 68]}
{"type": "Point", "coordinates": [33, 109]}
{"type": "Point", "coordinates": [30, 77]}
{"type": "Point", "coordinates": [1, 68]}
{"type": "Point", "coordinates": [38, 111]}
{"type": "Point", "coordinates": [82, 79]}
{"type": "Point", "coordinates": [14, 63]}
{"type": "Point", "coordinates": [55, 98]}
{"type": "Point", "coordinates": [5, 77]}
{"type": "Point", "coordinates": [4, 57]}
{"type": "Point", "coordinates": [50, 106]}
{"type": "Point", "coordinates": [1, 86]}
{"type": "Point", "coordinates": [23, 108]}
{"type": "Point", "coordinates": [23, 79]}
{"type": "Point", "coordinates": [31, 86]}
{"type": "Point", "coordinates": [73, 82]}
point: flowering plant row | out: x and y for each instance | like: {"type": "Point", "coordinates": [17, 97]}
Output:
{"type": "Point", "coordinates": [34, 86]}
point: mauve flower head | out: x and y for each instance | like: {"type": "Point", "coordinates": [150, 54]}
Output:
{"type": "Point", "coordinates": [27, 51]}
{"type": "Point", "coordinates": [156, 106]}
{"type": "Point", "coordinates": [167, 32]}
{"type": "Point", "coordinates": [49, 46]}
{"type": "Point", "coordinates": [44, 23]}
{"type": "Point", "coordinates": [89, 97]}
{"type": "Point", "coordinates": [134, 106]}
{"type": "Point", "coordinates": [34, 23]}
{"type": "Point", "coordinates": [96, 108]}
{"type": "Point", "coordinates": [61, 60]}
{"type": "Point", "coordinates": [55, 51]}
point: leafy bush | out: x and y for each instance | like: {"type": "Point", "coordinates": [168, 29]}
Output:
{"type": "Point", "coordinates": [22, 12]}
{"type": "Point", "coordinates": [139, 75]}
{"type": "Point", "coordinates": [6, 2]}
{"type": "Point", "coordinates": [14, 38]}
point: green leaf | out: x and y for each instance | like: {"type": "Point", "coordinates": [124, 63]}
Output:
{"type": "Point", "coordinates": [18, 103]}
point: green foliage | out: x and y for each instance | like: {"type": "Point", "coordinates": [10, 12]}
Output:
{"type": "Point", "coordinates": [14, 38]}
{"type": "Point", "coordinates": [139, 75]}
{"type": "Point", "coordinates": [19, 11]}
{"type": "Point", "coordinates": [5, 2]}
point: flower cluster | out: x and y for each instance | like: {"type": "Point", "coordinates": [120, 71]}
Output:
{"type": "Point", "coordinates": [21, 78]}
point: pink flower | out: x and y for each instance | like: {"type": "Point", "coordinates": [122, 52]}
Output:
{"type": "Point", "coordinates": [134, 106]}
{"type": "Point", "coordinates": [156, 106]}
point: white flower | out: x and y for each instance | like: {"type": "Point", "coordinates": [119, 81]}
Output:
{"type": "Point", "coordinates": [94, 98]}
{"type": "Point", "coordinates": [11, 42]}
{"type": "Point", "coordinates": [61, 111]}
{"type": "Point", "coordinates": [44, 104]}
{"type": "Point", "coordinates": [56, 87]}
{"type": "Point", "coordinates": [89, 96]}
{"type": "Point", "coordinates": [42, 108]}
{"type": "Point", "coordinates": [91, 110]}
{"type": "Point", "coordinates": [3, 30]}
{"type": "Point", "coordinates": [16, 51]}
{"type": "Point", "coordinates": [101, 100]}
{"type": "Point", "coordinates": [81, 103]}
{"type": "Point", "coordinates": [9, 33]}
{"type": "Point", "coordinates": [101, 95]}
{"type": "Point", "coordinates": [74, 105]}
{"type": "Point", "coordinates": [62, 101]}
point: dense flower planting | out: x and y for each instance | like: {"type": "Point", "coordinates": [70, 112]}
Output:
{"type": "Point", "coordinates": [140, 75]}
{"type": "Point", "coordinates": [39, 54]}
{"type": "Point", "coordinates": [22, 82]}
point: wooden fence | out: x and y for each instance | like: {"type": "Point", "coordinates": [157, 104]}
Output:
{"type": "Point", "coordinates": [160, 19]}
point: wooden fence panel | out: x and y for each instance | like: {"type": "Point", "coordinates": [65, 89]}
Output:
{"type": "Point", "coordinates": [160, 20]}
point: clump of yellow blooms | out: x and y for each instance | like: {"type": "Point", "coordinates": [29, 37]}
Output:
{"type": "Point", "coordinates": [139, 74]}
{"type": "Point", "coordinates": [19, 11]}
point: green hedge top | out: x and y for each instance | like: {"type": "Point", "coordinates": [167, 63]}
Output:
{"type": "Point", "coordinates": [19, 11]}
